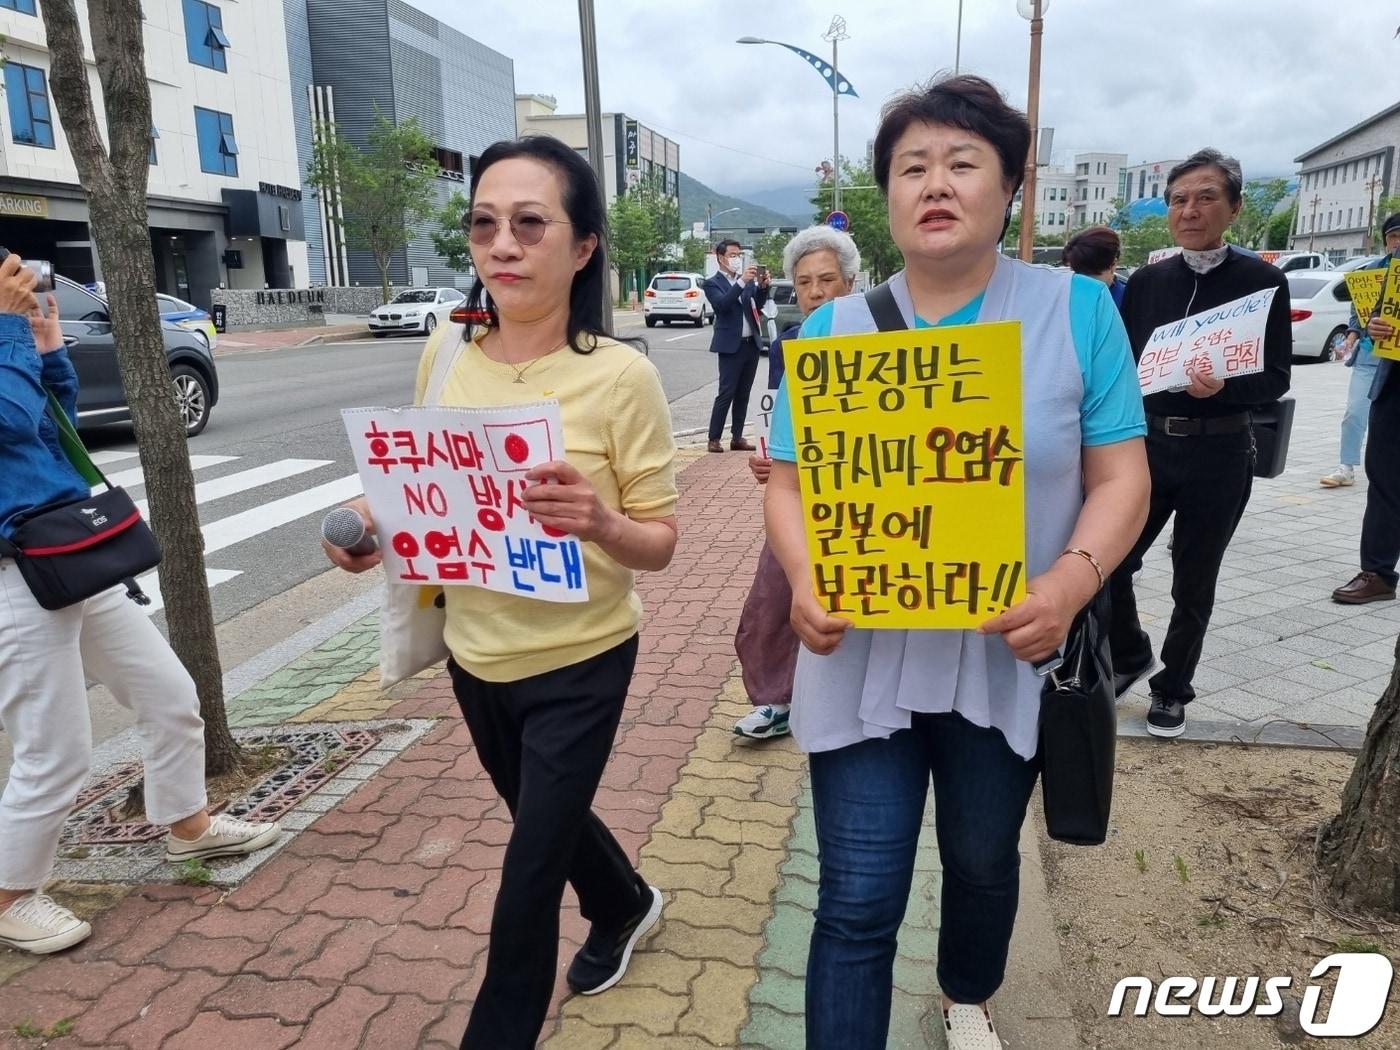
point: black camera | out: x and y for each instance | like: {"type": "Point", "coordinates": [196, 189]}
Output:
{"type": "Point", "coordinates": [41, 268]}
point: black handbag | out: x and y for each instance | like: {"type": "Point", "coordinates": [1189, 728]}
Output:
{"type": "Point", "coordinates": [1079, 732]}
{"type": "Point", "coordinates": [69, 552]}
{"type": "Point", "coordinates": [1273, 429]}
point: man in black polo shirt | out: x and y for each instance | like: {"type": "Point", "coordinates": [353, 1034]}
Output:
{"type": "Point", "coordinates": [1200, 445]}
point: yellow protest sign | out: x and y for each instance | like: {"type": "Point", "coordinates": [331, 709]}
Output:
{"type": "Point", "coordinates": [910, 455]}
{"type": "Point", "coordinates": [1389, 310]}
{"type": "Point", "coordinates": [1365, 288]}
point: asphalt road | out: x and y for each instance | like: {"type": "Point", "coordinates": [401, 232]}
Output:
{"type": "Point", "coordinates": [274, 457]}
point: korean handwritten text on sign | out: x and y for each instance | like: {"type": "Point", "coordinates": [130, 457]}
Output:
{"type": "Point", "coordinates": [445, 485]}
{"type": "Point", "coordinates": [763, 425]}
{"type": "Point", "coordinates": [1365, 288]}
{"type": "Point", "coordinates": [1224, 341]}
{"type": "Point", "coordinates": [910, 459]}
{"type": "Point", "coordinates": [1388, 310]}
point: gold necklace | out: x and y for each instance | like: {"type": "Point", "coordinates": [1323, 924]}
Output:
{"type": "Point", "coordinates": [521, 370]}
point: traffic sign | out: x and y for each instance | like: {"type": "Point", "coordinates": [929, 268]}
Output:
{"type": "Point", "coordinates": [839, 220]}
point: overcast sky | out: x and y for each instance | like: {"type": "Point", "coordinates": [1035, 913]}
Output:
{"type": "Point", "coordinates": [1262, 79]}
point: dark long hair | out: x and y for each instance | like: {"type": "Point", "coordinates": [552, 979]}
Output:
{"type": "Point", "coordinates": [583, 203]}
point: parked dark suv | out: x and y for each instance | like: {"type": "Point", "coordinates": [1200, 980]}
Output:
{"type": "Point", "coordinates": [87, 331]}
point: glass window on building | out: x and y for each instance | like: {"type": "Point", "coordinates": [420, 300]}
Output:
{"type": "Point", "coordinates": [205, 41]}
{"type": "Point", "coordinates": [24, 7]}
{"type": "Point", "coordinates": [218, 150]}
{"type": "Point", "coordinates": [31, 123]}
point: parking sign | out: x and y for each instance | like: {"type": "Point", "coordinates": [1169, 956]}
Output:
{"type": "Point", "coordinates": [838, 220]}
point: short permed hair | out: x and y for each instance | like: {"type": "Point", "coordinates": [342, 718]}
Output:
{"type": "Point", "coordinates": [1211, 158]}
{"type": "Point", "coordinates": [818, 239]}
{"type": "Point", "coordinates": [1092, 250]}
{"type": "Point", "coordinates": [968, 102]}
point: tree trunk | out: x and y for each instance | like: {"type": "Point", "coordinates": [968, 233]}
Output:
{"type": "Point", "coordinates": [382, 261]}
{"type": "Point", "coordinates": [1361, 845]}
{"type": "Point", "coordinates": [116, 186]}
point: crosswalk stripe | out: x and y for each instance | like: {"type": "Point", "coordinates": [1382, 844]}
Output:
{"type": "Point", "coordinates": [134, 477]}
{"type": "Point", "coordinates": [249, 523]}
{"type": "Point", "coordinates": [230, 484]}
{"type": "Point", "coordinates": [150, 583]}
{"type": "Point", "coordinates": [114, 455]}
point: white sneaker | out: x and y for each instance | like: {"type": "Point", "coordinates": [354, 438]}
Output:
{"type": "Point", "coordinates": [36, 924]}
{"type": "Point", "coordinates": [967, 1026]}
{"type": "Point", "coordinates": [770, 720]}
{"type": "Point", "coordinates": [226, 837]}
{"type": "Point", "coordinates": [1338, 478]}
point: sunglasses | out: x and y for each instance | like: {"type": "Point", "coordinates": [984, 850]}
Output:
{"type": "Point", "coordinates": [527, 227]}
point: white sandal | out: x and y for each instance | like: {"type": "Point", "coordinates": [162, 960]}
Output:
{"type": "Point", "coordinates": [967, 1026]}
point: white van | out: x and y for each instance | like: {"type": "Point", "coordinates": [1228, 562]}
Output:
{"type": "Point", "coordinates": [676, 297]}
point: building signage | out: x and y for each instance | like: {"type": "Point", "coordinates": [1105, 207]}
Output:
{"type": "Point", "coordinates": [303, 297]}
{"type": "Point", "coordinates": [633, 136]}
{"type": "Point", "coordinates": [286, 192]}
{"type": "Point", "coordinates": [19, 204]}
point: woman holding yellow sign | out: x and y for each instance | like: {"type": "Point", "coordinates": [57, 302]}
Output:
{"type": "Point", "coordinates": [883, 711]}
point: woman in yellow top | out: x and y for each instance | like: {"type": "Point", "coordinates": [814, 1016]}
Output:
{"type": "Point", "coordinates": [542, 685]}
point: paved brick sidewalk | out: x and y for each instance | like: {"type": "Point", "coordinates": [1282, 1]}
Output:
{"type": "Point", "coordinates": [282, 338]}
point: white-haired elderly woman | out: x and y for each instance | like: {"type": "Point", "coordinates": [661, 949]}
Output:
{"type": "Point", "coordinates": [823, 264]}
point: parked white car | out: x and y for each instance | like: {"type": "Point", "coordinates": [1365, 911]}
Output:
{"type": "Point", "coordinates": [415, 310]}
{"type": "Point", "coordinates": [1320, 307]}
{"type": "Point", "coordinates": [676, 297]}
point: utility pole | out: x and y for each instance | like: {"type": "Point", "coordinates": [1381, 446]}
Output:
{"type": "Point", "coordinates": [1312, 222]}
{"type": "Point", "coordinates": [1033, 113]}
{"type": "Point", "coordinates": [1371, 211]}
{"type": "Point", "coordinates": [957, 47]}
{"type": "Point", "coordinates": [836, 32]}
{"type": "Point", "coordinates": [594, 117]}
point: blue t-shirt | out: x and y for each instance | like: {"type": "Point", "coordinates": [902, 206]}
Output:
{"type": "Point", "coordinates": [1112, 407]}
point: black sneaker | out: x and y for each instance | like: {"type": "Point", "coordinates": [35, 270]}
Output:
{"type": "Point", "coordinates": [1166, 717]}
{"type": "Point", "coordinates": [603, 959]}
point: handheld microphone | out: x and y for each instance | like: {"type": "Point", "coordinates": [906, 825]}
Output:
{"type": "Point", "coordinates": [344, 528]}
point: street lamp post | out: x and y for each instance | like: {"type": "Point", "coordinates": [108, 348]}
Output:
{"type": "Point", "coordinates": [710, 223]}
{"type": "Point", "coordinates": [593, 116]}
{"type": "Point", "coordinates": [836, 32]}
{"type": "Point", "coordinates": [1032, 10]}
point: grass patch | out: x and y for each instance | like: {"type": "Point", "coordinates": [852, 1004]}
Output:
{"type": "Point", "coordinates": [194, 872]}
{"type": "Point", "coordinates": [1140, 859]}
{"type": "Point", "coordinates": [1182, 872]}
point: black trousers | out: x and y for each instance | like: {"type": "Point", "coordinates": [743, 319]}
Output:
{"type": "Point", "coordinates": [736, 372]}
{"type": "Point", "coordinates": [1380, 528]}
{"type": "Point", "coordinates": [1205, 481]}
{"type": "Point", "coordinates": [544, 741]}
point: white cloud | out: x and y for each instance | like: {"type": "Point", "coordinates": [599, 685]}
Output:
{"type": "Point", "coordinates": [1261, 79]}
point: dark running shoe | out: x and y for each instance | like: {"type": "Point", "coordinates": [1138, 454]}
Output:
{"type": "Point", "coordinates": [1166, 717]}
{"type": "Point", "coordinates": [603, 959]}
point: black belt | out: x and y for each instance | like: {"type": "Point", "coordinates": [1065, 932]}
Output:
{"type": "Point", "coordinates": [1193, 426]}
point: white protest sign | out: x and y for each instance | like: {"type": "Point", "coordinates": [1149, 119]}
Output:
{"type": "Point", "coordinates": [1158, 254]}
{"type": "Point", "coordinates": [763, 425]}
{"type": "Point", "coordinates": [444, 486]}
{"type": "Point", "coordinates": [1224, 341]}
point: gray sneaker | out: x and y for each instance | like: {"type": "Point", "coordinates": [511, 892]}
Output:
{"type": "Point", "coordinates": [37, 924]}
{"type": "Point", "coordinates": [226, 837]}
{"type": "Point", "coordinates": [1338, 478]}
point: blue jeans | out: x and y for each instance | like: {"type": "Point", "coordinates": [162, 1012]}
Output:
{"type": "Point", "coordinates": [1358, 409]}
{"type": "Point", "coordinates": [869, 804]}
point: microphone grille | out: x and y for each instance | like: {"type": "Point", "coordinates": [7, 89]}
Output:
{"type": "Point", "coordinates": [343, 527]}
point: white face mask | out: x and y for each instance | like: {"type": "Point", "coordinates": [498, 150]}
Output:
{"type": "Point", "coordinates": [735, 263]}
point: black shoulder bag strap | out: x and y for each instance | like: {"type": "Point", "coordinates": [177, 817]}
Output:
{"type": "Point", "coordinates": [888, 317]}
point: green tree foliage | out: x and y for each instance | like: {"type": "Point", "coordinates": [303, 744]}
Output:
{"type": "Point", "coordinates": [1260, 198]}
{"type": "Point", "coordinates": [1042, 240]}
{"type": "Point", "coordinates": [693, 252]}
{"type": "Point", "coordinates": [382, 191]}
{"type": "Point", "coordinates": [768, 250]}
{"type": "Point", "coordinates": [1281, 227]}
{"type": "Point", "coordinates": [644, 229]}
{"type": "Point", "coordinates": [1146, 237]}
{"type": "Point", "coordinates": [869, 215]}
{"type": "Point", "coordinates": [450, 238]}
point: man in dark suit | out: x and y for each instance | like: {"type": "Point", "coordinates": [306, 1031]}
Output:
{"type": "Point", "coordinates": [737, 298]}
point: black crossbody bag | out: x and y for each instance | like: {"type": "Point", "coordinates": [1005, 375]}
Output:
{"type": "Point", "coordinates": [69, 552]}
{"type": "Point", "coordinates": [1078, 719]}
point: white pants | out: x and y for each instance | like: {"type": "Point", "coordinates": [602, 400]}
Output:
{"type": "Point", "coordinates": [43, 706]}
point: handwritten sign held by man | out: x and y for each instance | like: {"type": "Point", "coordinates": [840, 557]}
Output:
{"type": "Point", "coordinates": [444, 485]}
{"type": "Point", "coordinates": [1388, 309]}
{"type": "Point", "coordinates": [1224, 341]}
{"type": "Point", "coordinates": [1365, 288]}
{"type": "Point", "coordinates": [910, 459]}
